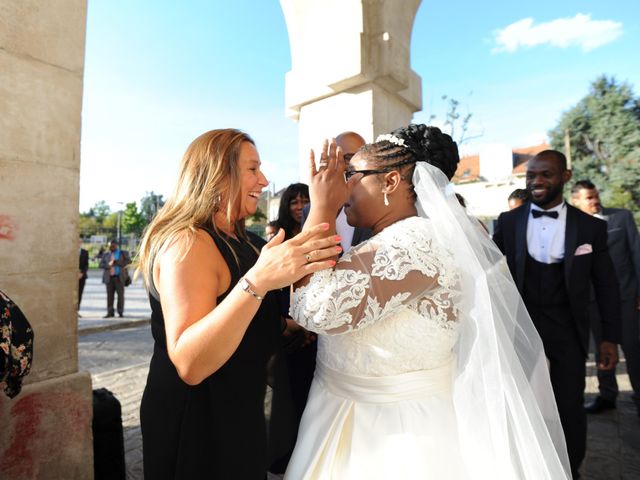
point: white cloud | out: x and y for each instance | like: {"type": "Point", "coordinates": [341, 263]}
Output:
{"type": "Point", "coordinates": [579, 31]}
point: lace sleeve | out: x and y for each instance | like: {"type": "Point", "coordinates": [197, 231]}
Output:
{"type": "Point", "coordinates": [392, 270]}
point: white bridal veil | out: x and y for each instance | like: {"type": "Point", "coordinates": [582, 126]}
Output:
{"type": "Point", "coordinates": [506, 414]}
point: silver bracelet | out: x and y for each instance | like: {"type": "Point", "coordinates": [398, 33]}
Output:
{"type": "Point", "coordinates": [246, 286]}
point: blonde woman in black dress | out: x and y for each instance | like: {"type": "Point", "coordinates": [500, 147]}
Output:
{"type": "Point", "coordinates": [215, 320]}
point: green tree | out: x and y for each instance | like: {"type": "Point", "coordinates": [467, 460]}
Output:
{"type": "Point", "coordinates": [149, 206]}
{"type": "Point", "coordinates": [92, 222]}
{"type": "Point", "coordinates": [132, 220]}
{"type": "Point", "coordinates": [258, 216]}
{"type": "Point", "coordinates": [88, 225]}
{"type": "Point", "coordinates": [604, 133]}
{"type": "Point", "coordinates": [100, 211]}
{"type": "Point", "coordinates": [110, 224]}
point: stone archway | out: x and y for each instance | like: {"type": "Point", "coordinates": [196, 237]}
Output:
{"type": "Point", "coordinates": [350, 68]}
{"type": "Point", "coordinates": [46, 429]}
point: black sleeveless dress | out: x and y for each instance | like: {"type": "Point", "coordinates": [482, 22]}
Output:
{"type": "Point", "coordinates": [217, 429]}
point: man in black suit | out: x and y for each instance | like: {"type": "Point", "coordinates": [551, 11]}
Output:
{"type": "Point", "coordinates": [350, 143]}
{"type": "Point", "coordinates": [555, 253]}
{"type": "Point", "coordinates": [82, 272]}
{"type": "Point", "coordinates": [624, 250]}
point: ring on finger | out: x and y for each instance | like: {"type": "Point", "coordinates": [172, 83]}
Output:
{"type": "Point", "coordinates": [307, 256]}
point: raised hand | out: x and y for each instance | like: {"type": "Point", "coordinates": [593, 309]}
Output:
{"type": "Point", "coordinates": [328, 189]}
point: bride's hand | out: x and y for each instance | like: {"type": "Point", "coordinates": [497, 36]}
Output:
{"type": "Point", "coordinates": [283, 263]}
{"type": "Point", "coordinates": [328, 189]}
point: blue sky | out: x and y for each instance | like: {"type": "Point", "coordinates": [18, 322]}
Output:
{"type": "Point", "coordinates": [158, 74]}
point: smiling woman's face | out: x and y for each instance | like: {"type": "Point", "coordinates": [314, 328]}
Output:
{"type": "Point", "coordinates": [252, 180]}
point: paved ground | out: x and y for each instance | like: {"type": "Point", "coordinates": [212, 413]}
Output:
{"type": "Point", "coordinates": [117, 356]}
{"type": "Point", "coordinates": [117, 353]}
{"type": "Point", "coordinates": [94, 305]}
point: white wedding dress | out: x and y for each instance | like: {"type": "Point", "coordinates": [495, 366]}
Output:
{"type": "Point", "coordinates": [380, 406]}
{"type": "Point", "coordinates": [429, 366]}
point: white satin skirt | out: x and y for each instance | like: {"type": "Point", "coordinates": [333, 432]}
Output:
{"type": "Point", "coordinates": [396, 427]}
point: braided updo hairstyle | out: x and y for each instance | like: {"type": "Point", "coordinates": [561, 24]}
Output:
{"type": "Point", "coordinates": [420, 143]}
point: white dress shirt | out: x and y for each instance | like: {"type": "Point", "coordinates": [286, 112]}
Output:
{"type": "Point", "coordinates": [344, 230]}
{"type": "Point", "coordinates": [545, 235]}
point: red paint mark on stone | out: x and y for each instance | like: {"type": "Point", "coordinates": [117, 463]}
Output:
{"type": "Point", "coordinates": [8, 227]}
{"type": "Point", "coordinates": [43, 426]}
{"type": "Point", "coordinates": [18, 455]}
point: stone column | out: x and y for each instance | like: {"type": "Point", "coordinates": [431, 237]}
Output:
{"type": "Point", "coordinates": [46, 429]}
{"type": "Point", "coordinates": [350, 68]}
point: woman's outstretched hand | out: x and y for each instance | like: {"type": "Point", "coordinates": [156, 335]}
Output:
{"type": "Point", "coordinates": [283, 263]}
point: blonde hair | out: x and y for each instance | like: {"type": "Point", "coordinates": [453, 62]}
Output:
{"type": "Point", "coordinates": [208, 176]}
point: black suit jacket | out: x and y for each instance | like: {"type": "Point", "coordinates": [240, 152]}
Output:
{"type": "Point", "coordinates": [84, 262]}
{"type": "Point", "coordinates": [359, 234]}
{"type": "Point", "coordinates": [580, 271]}
{"type": "Point", "coordinates": [624, 250]}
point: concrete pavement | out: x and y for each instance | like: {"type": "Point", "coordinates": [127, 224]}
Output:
{"type": "Point", "coordinates": [94, 306]}
{"type": "Point", "coordinates": [117, 352]}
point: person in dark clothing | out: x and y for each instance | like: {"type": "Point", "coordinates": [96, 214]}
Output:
{"type": "Point", "coordinates": [624, 249]}
{"type": "Point", "coordinates": [214, 321]}
{"type": "Point", "coordinates": [115, 276]}
{"type": "Point", "coordinates": [82, 272]}
{"type": "Point", "coordinates": [16, 346]}
{"type": "Point", "coordinates": [555, 253]}
{"type": "Point", "coordinates": [294, 198]}
{"type": "Point", "coordinates": [517, 198]}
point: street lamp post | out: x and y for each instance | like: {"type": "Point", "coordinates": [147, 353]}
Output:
{"type": "Point", "coordinates": [119, 229]}
{"type": "Point", "coordinates": [118, 233]}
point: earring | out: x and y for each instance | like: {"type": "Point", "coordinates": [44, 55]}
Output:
{"type": "Point", "coordinates": [386, 200]}
{"type": "Point", "coordinates": [216, 203]}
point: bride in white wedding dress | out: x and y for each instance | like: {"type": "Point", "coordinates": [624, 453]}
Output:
{"type": "Point", "coordinates": [428, 365]}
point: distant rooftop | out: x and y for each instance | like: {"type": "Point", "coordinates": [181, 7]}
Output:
{"type": "Point", "coordinates": [469, 166]}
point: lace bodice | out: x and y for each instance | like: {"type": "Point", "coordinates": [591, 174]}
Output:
{"type": "Point", "coordinates": [388, 307]}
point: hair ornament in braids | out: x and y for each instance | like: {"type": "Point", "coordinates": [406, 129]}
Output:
{"type": "Point", "coordinates": [391, 139]}
{"type": "Point", "coordinates": [415, 143]}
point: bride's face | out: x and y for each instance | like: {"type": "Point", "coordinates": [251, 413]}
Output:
{"type": "Point", "coordinates": [365, 203]}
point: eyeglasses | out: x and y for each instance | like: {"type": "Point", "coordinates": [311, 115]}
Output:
{"type": "Point", "coordinates": [350, 173]}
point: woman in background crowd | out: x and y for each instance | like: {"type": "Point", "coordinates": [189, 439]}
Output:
{"type": "Point", "coordinates": [293, 200]}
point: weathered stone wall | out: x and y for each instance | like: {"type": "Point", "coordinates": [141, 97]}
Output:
{"type": "Point", "coordinates": [46, 430]}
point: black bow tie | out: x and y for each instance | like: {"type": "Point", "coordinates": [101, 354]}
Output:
{"type": "Point", "coordinates": [542, 213]}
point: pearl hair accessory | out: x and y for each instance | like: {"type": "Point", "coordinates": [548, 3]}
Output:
{"type": "Point", "coordinates": [391, 139]}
